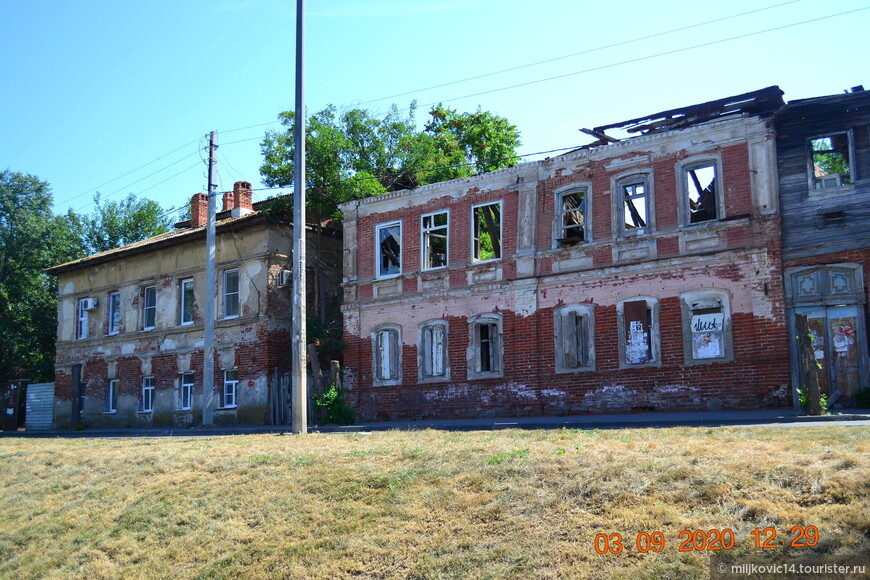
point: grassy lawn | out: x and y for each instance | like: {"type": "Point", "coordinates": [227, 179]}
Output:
{"type": "Point", "coordinates": [430, 504]}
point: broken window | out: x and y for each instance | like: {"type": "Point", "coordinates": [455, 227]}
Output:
{"type": "Point", "coordinates": [185, 305]}
{"type": "Point", "coordinates": [82, 318]}
{"type": "Point", "coordinates": [487, 231]}
{"type": "Point", "coordinates": [389, 250]}
{"type": "Point", "coordinates": [231, 293]}
{"type": "Point", "coordinates": [433, 350]}
{"type": "Point", "coordinates": [706, 326]}
{"type": "Point", "coordinates": [573, 329]}
{"type": "Point", "coordinates": [185, 391]}
{"type": "Point", "coordinates": [387, 354]}
{"type": "Point", "coordinates": [112, 395]}
{"type": "Point", "coordinates": [635, 205]}
{"type": "Point", "coordinates": [146, 403]}
{"type": "Point", "coordinates": [149, 307]}
{"type": "Point", "coordinates": [114, 302]}
{"type": "Point", "coordinates": [701, 189]}
{"type": "Point", "coordinates": [485, 354]}
{"type": "Point", "coordinates": [434, 228]}
{"type": "Point", "coordinates": [231, 383]}
{"type": "Point", "coordinates": [638, 332]}
{"type": "Point", "coordinates": [831, 161]}
{"type": "Point", "coordinates": [572, 217]}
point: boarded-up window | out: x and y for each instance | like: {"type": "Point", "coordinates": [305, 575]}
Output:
{"type": "Point", "coordinates": [573, 337]}
{"type": "Point", "coordinates": [708, 330]}
{"type": "Point", "coordinates": [487, 231]}
{"type": "Point", "coordinates": [387, 354]}
{"type": "Point", "coordinates": [638, 342]}
{"type": "Point", "coordinates": [434, 350]}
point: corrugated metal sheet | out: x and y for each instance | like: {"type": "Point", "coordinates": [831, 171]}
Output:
{"type": "Point", "coordinates": [40, 406]}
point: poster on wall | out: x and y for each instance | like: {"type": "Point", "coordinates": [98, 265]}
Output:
{"type": "Point", "coordinates": [707, 330]}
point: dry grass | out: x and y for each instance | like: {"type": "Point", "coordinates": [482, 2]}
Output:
{"type": "Point", "coordinates": [505, 504]}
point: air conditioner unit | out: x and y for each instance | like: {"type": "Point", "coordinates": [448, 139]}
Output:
{"type": "Point", "coordinates": [285, 278]}
{"type": "Point", "coordinates": [89, 304]}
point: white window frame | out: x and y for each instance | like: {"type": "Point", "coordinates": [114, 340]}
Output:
{"type": "Point", "coordinates": [682, 171]}
{"type": "Point", "coordinates": [815, 190]}
{"type": "Point", "coordinates": [184, 287]}
{"type": "Point", "coordinates": [113, 388]}
{"type": "Point", "coordinates": [185, 391]}
{"type": "Point", "coordinates": [652, 305]}
{"type": "Point", "coordinates": [618, 184]}
{"type": "Point", "coordinates": [559, 231]}
{"type": "Point", "coordinates": [146, 308]}
{"type": "Point", "coordinates": [146, 403]}
{"type": "Point", "coordinates": [475, 253]}
{"type": "Point", "coordinates": [387, 354]}
{"type": "Point", "coordinates": [81, 319]}
{"type": "Point", "coordinates": [434, 358]}
{"type": "Point", "coordinates": [379, 258]}
{"type": "Point", "coordinates": [230, 392]}
{"type": "Point", "coordinates": [697, 301]}
{"type": "Point", "coordinates": [114, 311]}
{"type": "Point", "coordinates": [426, 233]}
{"type": "Point", "coordinates": [574, 332]}
{"type": "Point", "coordinates": [232, 297]}
{"type": "Point", "coordinates": [495, 347]}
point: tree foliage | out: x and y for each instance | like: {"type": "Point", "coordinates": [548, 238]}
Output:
{"type": "Point", "coordinates": [113, 224]}
{"type": "Point", "coordinates": [353, 154]}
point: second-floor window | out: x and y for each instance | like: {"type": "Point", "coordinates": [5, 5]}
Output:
{"type": "Point", "coordinates": [701, 190]}
{"type": "Point", "coordinates": [634, 205]}
{"type": "Point", "coordinates": [434, 229]}
{"type": "Point", "coordinates": [82, 318]}
{"type": "Point", "coordinates": [149, 307]}
{"type": "Point", "coordinates": [831, 160]}
{"type": "Point", "coordinates": [231, 293]}
{"type": "Point", "coordinates": [185, 305]}
{"type": "Point", "coordinates": [486, 226]}
{"type": "Point", "coordinates": [572, 217]}
{"type": "Point", "coordinates": [389, 250]}
{"type": "Point", "coordinates": [114, 302]}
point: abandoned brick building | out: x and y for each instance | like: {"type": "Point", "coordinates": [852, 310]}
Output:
{"type": "Point", "coordinates": [642, 273]}
{"type": "Point", "coordinates": [130, 323]}
{"type": "Point", "coordinates": [823, 153]}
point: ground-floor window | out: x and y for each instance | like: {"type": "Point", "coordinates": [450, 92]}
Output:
{"type": "Point", "coordinates": [185, 391]}
{"type": "Point", "coordinates": [146, 402]}
{"type": "Point", "coordinates": [573, 330]}
{"type": "Point", "coordinates": [112, 395]}
{"type": "Point", "coordinates": [434, 362]}
{"type": "Point", "coordinates": [231, 383]}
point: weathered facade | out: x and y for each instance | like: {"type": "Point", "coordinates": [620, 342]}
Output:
{"type": "Point", "coordinates": [823, 152]}
{"type": "Point", "coordinates": [130, 323]}
{"type": "Point", "coordinates": [634, 274]}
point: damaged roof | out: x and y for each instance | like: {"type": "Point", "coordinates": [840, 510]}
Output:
{"type": "Point", "coordinates": [761, 102]}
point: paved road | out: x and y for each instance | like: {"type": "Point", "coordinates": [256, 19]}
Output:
{"type": "Point", "coordinates": [781, 418]}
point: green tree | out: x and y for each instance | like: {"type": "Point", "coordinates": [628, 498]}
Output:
{"type": "Point", "coordinates": [484, 141]}
{"type": "Point", "coordinates": [31, 239]}
{"type": "Point", "coordinates": [114, 224]}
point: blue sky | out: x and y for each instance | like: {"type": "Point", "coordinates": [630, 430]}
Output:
{"type": "Point", "coordinates": [117, 97]}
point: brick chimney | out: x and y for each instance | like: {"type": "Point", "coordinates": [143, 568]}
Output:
{"type": "Point", "coordinates": [243, 199]}
{"type": "Point", "coordinates": [198, 210]}
{"type": "Point", "coordinates": [229, 200]}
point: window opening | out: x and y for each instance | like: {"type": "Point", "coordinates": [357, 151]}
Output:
{"type": "Point", "coordinates": [487, 232]}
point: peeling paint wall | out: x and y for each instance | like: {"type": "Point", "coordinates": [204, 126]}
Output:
{"type": "Point", "coordinates": [738, 254]}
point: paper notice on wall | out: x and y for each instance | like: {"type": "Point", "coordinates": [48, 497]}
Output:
{"type": "Point", "coordinates": [637, 345]}
{"type": "Point", "coordinates": [706, 345]}
{"type": "Point", "coordinates": [844, 337]}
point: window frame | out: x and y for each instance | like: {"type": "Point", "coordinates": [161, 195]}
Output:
{"type": "Point", "coordinates": [704, 299]}
{"type": "Point", "coordinates": [495, 348]}
{"type": "Point", "coordinates": [147, 394]}
{"type": "Point", "coordinates": [584, 353]}
{"type": "Point", "coordinates": [113, 311]}
{"type": "Point", "coordinates": [652, 305]}
{"type": "Point", "coordinates": [425, 234]}
{"type": "Point", "coordinates": [183, 287]}
{"type": "Point", "coordinates": [811, 173]}
{"type": "Point", "coordinates": [394, 354]}
{"type": "Point", "coordinates": [81, 319]}
{"type": "Point", "coordinates": [682, 171]}
{"type": "Point", "coordinates": [559, 237]}
{"type": "Point", "coordinates": [475, 254]}
{"type": "Point", "coordinates": [226, 294]}
{"type": "Point", "coordinates": [378, 257]}
{"type": "Point", "coordinates": [426, 357]}
{"type": "Point", "coordinates": [113, 388]}
{"type": "Point", "coordinates": [618, 185]}
{"type": "Point", "coordinates": [230, 390]}
{"type": "Point", "coordinates": [146, 290]}
{"type": "Point", "coordinates": [185, 390]}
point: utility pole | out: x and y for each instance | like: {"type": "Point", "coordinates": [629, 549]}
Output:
{"type": "Point", "coordinates": [299, 340]}
{"type": "Point", "coordinates": [208, 334]}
